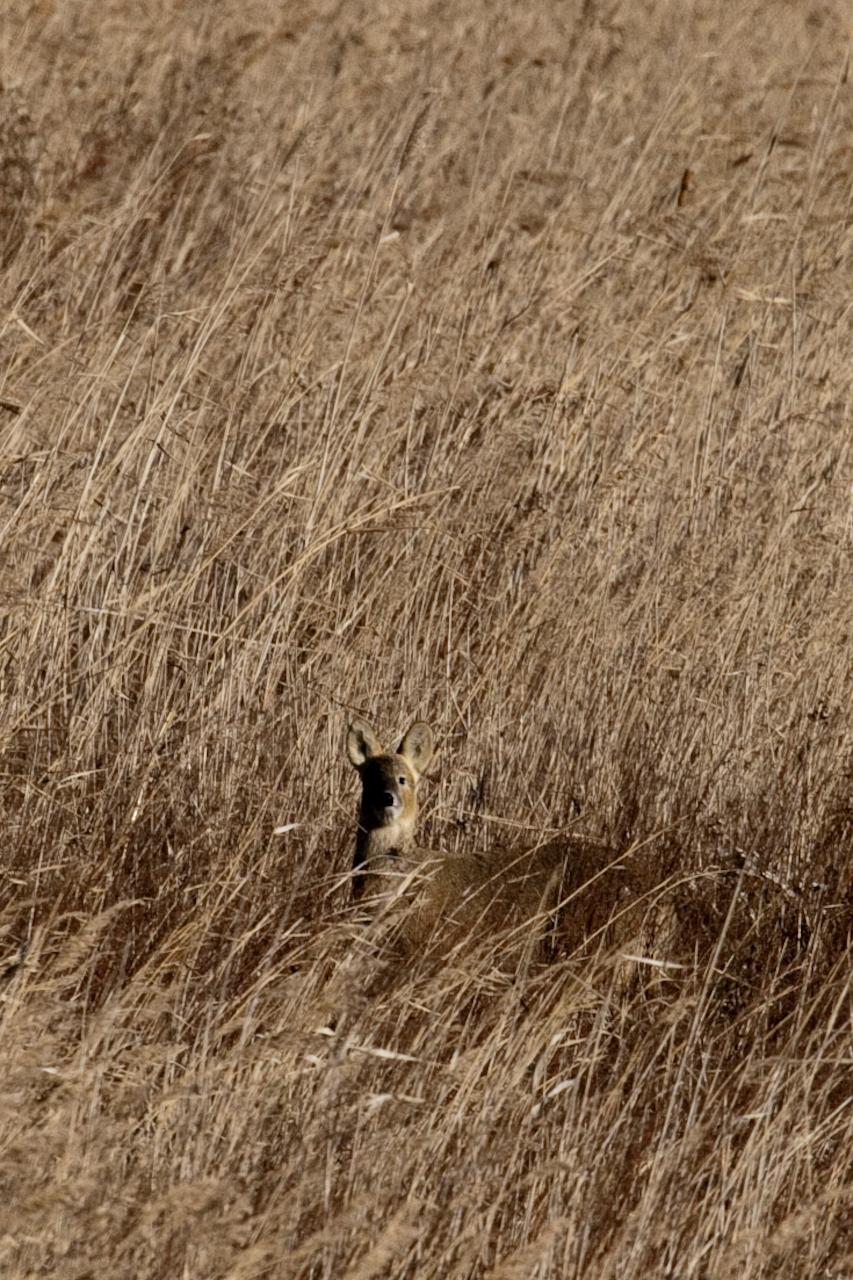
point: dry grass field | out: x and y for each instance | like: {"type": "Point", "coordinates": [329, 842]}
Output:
{"type": "Point", "coordinates": [488, 364]}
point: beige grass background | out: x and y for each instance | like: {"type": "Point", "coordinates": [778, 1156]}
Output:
{"type": "Point", "coordinates": [488, 363]}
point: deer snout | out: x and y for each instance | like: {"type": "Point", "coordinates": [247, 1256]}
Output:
{"type": "Point", "coordinates": [390, 806]}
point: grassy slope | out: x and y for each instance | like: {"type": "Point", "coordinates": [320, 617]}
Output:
{"type": "Point", "coordinates": [488, 363]}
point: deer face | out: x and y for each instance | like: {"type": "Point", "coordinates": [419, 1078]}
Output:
{"type": "Point", "coordinates": [389, 778]}
{"type": "Point", "coordinates": [388, 791]}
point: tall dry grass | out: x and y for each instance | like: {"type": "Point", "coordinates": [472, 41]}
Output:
{"type": "Point", "coordinates": [486, 363]}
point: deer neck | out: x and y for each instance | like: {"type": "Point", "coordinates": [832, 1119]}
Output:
{"type": "Point", "coordinates": [377, 842]}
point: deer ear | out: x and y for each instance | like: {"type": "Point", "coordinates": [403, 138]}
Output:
{"type": "Point", "coordinates": [417, 745]}
{"type": "Point", "coordinates": [362, 743]}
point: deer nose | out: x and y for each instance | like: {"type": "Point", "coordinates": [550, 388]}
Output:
{"type": "Point", "coordinates": [388, 800]}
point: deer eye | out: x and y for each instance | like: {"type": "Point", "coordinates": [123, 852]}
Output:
{"type": "Point", "coordinates": [402, 781]}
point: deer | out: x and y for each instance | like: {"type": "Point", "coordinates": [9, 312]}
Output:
{"type": "Point", "coordinates": [573, 888]}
